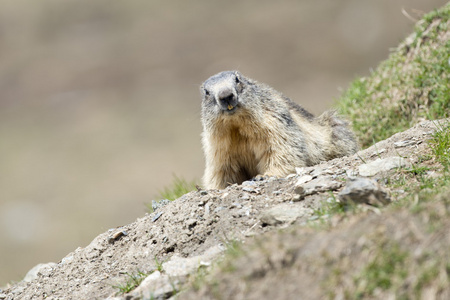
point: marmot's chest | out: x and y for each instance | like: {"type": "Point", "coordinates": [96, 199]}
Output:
{"type": "Point", "coordinates": [245, 146]}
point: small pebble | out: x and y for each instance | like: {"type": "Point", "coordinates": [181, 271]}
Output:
{"type": "Point", "coordinates": [245, 197]}
{"type": "Point", "coordinates": [296, 198]}
{"type": "Point", "coordinates": [248, 189]}
{"type": "Point", "coordinates": [156, 217]}
{"type": "Point", "coordinates": [117, 235]}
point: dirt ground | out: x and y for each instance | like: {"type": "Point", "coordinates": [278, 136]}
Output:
{"type": "Point", "coordinates": [296, 261]}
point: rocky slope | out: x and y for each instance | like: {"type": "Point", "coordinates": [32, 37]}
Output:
{"type": "Point", "coordinates": [189, 235]}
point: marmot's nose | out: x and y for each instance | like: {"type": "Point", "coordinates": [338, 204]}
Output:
{"type": "Point", "coordinates": [227, 99]}
{"type": "Point", "coordinates": [225, 96]}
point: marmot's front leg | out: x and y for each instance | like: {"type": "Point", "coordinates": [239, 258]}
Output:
{"type": "Point", "coordinates": [214, 178]}
{"type": "Point", "coordinates": [222, 175]}
{"type": "Point", "coordinates": [276, 165]}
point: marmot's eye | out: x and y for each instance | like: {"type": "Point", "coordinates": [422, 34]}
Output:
{"type": "Point", "coordinates": [237, 79]}
{"type": "Point", "coordinates": [206, 92]}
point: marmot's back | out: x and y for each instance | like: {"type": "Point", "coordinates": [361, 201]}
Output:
{"type": "Point", "coordinates": [250, 129]}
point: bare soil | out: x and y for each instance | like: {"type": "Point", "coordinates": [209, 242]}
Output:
{"type": "Point", "coordinates": [295, 262]}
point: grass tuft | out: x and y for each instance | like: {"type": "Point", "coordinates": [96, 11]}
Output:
{"type": "Point", "coordinates": [134, 280]}
{"type": "Point", "coordinates": [412, 84]}
{"type": "Point", "coordinates": [178, 188]}
{"type": "Point", "coordinates": [440, 144]}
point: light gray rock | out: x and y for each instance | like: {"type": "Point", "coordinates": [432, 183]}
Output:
{"type": "Point", "coordinates": [67, 260]}
{"type": "Point", "coordinates": [306, 185]}
{"type": "Point", "coordinates": [39, 269]}
{"type": "Point", "coordinates": [283, 214]}
{"type": "Point", "coordinates": [351, 173]}
{"type": "Point", "coordinates": [155, 286]}
{"type": "Point", "coordinates": [406, 143]}
{"type": "Point", "coordinates": [175, 271]}
{"type": "Point", "coordinates": [321, 171]}
{"type": "Point", "coordinates": [249, 183]}
{"type": "Point", "coordinates": [364, 190]}
{"type": "Point", "coordinates": [378, 152]}
{"type": "Point", "coordinates": [299, 171]}
{"type": "Point", "coordinates": [157, 204]}
{"type": "Point", "coordinates": [291, 176]}
{"type": "Point", "coordinates": [180, 266]}
{"type": "Point", "coordinates": [157, 216]}
{"type": "Point", "coordinates": [249, 189]}
{"type": "Point", "coordinates": [304, 179]}
{"type": "Point", "coordinates": [321, 184]}
{"type": "Point", "coordinates": [382, 165]}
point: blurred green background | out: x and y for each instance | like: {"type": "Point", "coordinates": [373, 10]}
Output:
{"type": "Point", "coordinates": [99, 101]}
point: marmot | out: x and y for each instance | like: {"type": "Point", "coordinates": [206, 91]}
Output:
{"type": "Point", "coordinates": [250, 129]}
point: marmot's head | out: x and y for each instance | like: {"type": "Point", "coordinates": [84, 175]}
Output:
{"type": "Point", "coordinates": [221, 93]}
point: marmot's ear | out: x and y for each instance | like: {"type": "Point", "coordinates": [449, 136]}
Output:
{"type": "Point", "coordinates": [203, 90]}
{"type": "Point", "coordinates": [239, 83]}
{"type": "Point", "coordinates": [238, 77]}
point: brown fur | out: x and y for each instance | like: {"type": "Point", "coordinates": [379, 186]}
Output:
{"type": "Point", "coordinates": [251, 129]}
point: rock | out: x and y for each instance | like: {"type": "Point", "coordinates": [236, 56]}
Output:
{"type": "Point", "coordinates": [245, 197]}
{"type": "Point", "coordinates": [406, 143]}
{"type": "Point", "coordinates": [180, 266]}
{"type": "Point", "coordinates": [43, 269]}
{"type": "Point", "coordinates": [299, 193]}
{"type": "Point", "coordinates": [304, 179]}
{"type": "Point", "coordinates": [283, 214]}
{"type": "Point", "coordinates": [148, 282]}
{"type": "Point", "coordinates": [249, 186]}
{"type": "Point", "coordinates": [299, 190]}
{"type": "Point", "coordinates": [249, 183]}
{"type": "Point", "coordinates": [321, 184]}
{"type": "Point", "coordinates": [351, 173]}
{"type": "Point", "coordinates": [156, 217]}
{"type": "Point", "coordinates": [296, 198]}
{"type": "Point", "coordinates": [67, 260]}
{"type": "Point", "coordinates": [299, 171]}
{"type": "Point", "coordinates": [248, 189]}
{"type": "Point", "coordinates": [382, 165]}
{"type": "Point", "coordinates": [158, 204]}
{"type": "Point", "coordinates": [321, 171]}
{"type": "Point", "coordinates": [364, 190]}
{"type": "Point", "coordinates": [117, 235]}
{"type": "Point", "coordinates": [306, 185]}
{"type": "Point", "coordinates": [207, 210]}
{"type": "Point", "coordinates": [291, 176]}
{"type": "Point", "coordinates": [155, 286]}
{"type": "Point", "coordinates": [377, 152]}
